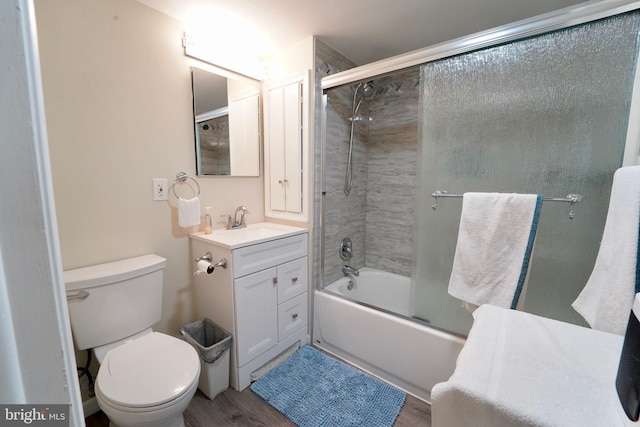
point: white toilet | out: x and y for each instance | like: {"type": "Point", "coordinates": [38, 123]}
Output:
{"type": "Point", "coordinates": [145, 378]}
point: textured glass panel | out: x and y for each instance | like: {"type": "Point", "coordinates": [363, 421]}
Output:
{"type": "Point", "coordinates": [542, 115]}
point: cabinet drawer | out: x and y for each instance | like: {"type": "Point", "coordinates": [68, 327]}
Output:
{"type": "Point", "coordinates": [292, 279]}
{"type": "Point", "coordinates": [250, 259]}
{"type": "Point", "coordinates": [292, 315]}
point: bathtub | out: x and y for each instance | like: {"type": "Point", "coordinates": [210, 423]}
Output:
{"type": "Point", "coordinates": [385, 341]}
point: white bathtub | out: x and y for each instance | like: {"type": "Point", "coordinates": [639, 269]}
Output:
{"type": "Point", "coordinates": [408, 354]}
{"type": "Point", "coordinates": [380, 289]}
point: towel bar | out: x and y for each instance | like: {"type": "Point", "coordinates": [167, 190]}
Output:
{"type": "Point", "coordinates": [570, 198]}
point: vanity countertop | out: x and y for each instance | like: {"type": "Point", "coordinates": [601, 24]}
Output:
{"type": "Point", "coordinates": [253, 234]}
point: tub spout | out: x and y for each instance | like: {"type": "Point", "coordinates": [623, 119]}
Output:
{"type": "Point", "coordinates": [350, 270]}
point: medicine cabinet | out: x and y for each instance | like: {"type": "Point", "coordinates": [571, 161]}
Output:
{"type": "Point", "coordinates": [227, 124]}
{"type": "Point", "coordinates": [286, 147]}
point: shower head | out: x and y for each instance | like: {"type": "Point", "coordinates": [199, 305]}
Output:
{"type": "Point", "coordinates": [363, 91]}
{"type": "Point", "coordinates": [368, 89]}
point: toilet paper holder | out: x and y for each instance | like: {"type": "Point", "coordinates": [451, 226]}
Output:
{"type": "Point", "coordinates": [208, 258]}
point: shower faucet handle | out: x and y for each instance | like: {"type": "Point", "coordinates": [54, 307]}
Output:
{"type": "Point", "coordinates": [346, 249]}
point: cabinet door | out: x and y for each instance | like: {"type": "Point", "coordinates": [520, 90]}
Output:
{"type": "Point", "coordinates": [256, 314]}
{"type": "Point", "coordinates": [244, 131]}
{"type": "Point", "coordinates": [285, 147]}
{"type": "Point", "coordinates": [293, 147]}
{"type": "Point", "coordinates": [277, 133]}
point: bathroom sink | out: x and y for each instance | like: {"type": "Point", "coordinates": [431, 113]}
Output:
{"type": "Point", "coordinates": [251, 235]}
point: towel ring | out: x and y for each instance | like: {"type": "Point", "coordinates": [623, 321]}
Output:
{"type": "Point", "coordinates": [182, 177]}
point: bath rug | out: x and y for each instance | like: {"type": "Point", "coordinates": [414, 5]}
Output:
{"type": "Point", "coordinates": [313, 389]}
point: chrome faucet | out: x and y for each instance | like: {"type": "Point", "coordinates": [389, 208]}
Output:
{"type": "Point", "coordinates": [238, 218]}
{"type": "Point", "coordinates": [347, 269]}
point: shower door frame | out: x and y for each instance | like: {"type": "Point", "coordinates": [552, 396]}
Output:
{"type": "Point", "coordinates": [535, 26]}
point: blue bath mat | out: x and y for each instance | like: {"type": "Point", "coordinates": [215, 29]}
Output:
{"type": "Point", "coordinates": [313, 389]}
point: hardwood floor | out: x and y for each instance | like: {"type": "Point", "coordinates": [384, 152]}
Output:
{"type": "Point", "coordinates": [247, 409]}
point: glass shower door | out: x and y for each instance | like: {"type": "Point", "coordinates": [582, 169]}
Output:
{"type": "Point", "coordinates": [545, 115]}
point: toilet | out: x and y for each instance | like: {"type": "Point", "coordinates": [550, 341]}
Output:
{"type": "Point", "coordinates": [145, 378]}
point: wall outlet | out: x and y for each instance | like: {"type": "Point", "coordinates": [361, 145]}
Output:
{"type": "Point", "coordinates": [160, 189]}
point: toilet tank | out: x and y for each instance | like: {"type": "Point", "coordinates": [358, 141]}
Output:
{"type": "Point", "coordinates": [122, 298]}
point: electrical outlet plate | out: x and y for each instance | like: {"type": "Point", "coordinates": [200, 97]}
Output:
{"type": "Point", "coordinates": [160, 189]}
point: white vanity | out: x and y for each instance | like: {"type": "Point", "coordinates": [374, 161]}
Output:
{"type": "Point", "coordinates": [261, 297]}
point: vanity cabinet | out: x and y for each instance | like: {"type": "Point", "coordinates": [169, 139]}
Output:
{"type": "Point", "coordinates": [261, 298]}
{"type": "Point", "coordinates": [267, 311]}
{"type": "Point", "coordinates": [286, 145]}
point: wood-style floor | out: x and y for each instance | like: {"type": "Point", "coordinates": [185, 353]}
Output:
{"type": "Point", "coordinates": [247, 409]}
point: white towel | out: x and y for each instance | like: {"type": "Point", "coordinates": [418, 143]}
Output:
{"type": "Point", "coordinates": [608, 295]}
{"type": "Point", "coordinates": [188, 212]}
{"type": "Point", "coordinates": [518, 369]}
{"type": "Point", "coordinates": [495, 241]}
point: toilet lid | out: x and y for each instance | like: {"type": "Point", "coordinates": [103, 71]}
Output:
{"type": "Point", "coordinates": [148, 371]}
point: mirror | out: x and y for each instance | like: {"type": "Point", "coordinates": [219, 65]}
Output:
{"type": "Point", "coordinates": [227, 124]}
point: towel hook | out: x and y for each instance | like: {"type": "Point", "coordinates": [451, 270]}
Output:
{"type": "Point", "coordinates": [182, 177]}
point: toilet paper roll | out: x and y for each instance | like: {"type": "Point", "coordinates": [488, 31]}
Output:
{"type": "Point", "coordinates": [205, 267]}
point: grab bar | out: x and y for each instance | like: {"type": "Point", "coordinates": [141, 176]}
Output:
{"type": "Point", "coordinates": [570, 198]}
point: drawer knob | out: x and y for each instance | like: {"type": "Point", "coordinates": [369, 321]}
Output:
{"type": "Point", "coordinates": [294, 316]}
{"type": "Point", "coordinates": [275, 280]}
{"type": "Point", "coordinates": [294, 279]}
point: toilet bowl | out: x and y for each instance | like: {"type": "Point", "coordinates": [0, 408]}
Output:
{"type": "Point", "coordinates": [148, 381]}
{"type": "Point", "coordinates": [145, 378]}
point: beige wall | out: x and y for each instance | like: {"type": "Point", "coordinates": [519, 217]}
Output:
{"type": "Point", "coordinates": [294, 59]}
{"type": "Point", "coordinates": [117, 94]}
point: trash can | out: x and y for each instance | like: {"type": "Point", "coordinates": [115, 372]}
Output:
{"type": "Point", "coordinates": [212, 343]}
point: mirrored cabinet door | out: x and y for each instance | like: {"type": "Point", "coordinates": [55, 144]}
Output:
{"type": "Point", "coordinates": [226, 124]}
{"type": "Point", "coordinates": [244, 131]}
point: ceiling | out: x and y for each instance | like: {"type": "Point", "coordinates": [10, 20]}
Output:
{"type": "Point", "coordinates": [362, 30]}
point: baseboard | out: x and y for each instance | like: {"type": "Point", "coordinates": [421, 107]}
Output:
{"type": "Point", "coordinates": [90, 406]}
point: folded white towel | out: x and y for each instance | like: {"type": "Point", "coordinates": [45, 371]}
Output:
{"type": "Point", "coordinates": [495, 241]}
{"type": "Point", "coordinates": [188, 212]}
{"type": "Point", "coordinates": [517, 369]}
{"type": "Point", "coordinates": [608, 295]}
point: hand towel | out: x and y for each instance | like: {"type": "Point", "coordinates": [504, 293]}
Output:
{"type": "Point", "coordinates": [607, 297]}
{"type": "Point", "coordinates": [495, 241]}
{"type": "Point", "coordinates": [188, 212]}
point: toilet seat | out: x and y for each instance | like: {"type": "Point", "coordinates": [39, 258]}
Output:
{"type": "Point", "coordinates": [147, 373]}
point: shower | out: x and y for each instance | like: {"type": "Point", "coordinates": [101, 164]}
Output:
{"type": "Point", "coordinates": [364, 90]}
{"type": "Point", "coordinates": [462, 122]}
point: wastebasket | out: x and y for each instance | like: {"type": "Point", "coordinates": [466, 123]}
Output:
{"type": "Point", "coordinates": [212, 343]}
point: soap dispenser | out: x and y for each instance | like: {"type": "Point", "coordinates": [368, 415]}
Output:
{"type": "Point", "coordinates": [208, 225]}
